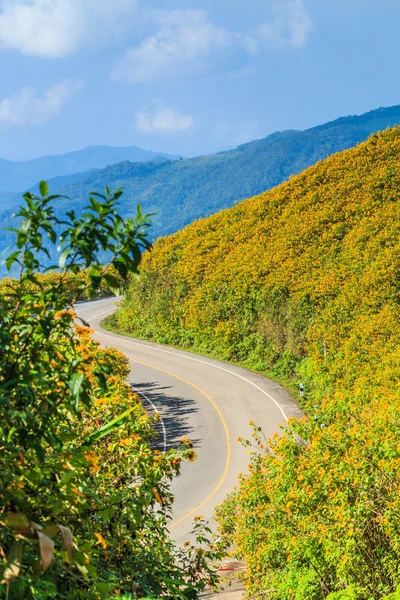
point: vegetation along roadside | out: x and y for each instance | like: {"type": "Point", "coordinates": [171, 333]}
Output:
{"type": "Point", "coordinates": [302, 281]}
{"type": "Point", "coordinates": [85, 499]}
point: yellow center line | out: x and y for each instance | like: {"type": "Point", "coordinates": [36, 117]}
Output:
{"type": "Point", "coordinates": [228, 457]}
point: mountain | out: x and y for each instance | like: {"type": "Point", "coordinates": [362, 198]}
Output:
{"type": "Point", "coordinates": [13, 178]}
{"type": "Point", "coordinates": [4, 197]}
{"type": "Point", "coordinates": [18, 176]}
{"type": "Point", "coordinates": [57, 184]}
{"type": "Point", "coordinates": [302, 282]}
{"type": "Point", "coordinates": [181, 191]}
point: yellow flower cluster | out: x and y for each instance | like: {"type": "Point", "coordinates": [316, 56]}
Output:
{"type": "Point", "coordinates": [303, 280]}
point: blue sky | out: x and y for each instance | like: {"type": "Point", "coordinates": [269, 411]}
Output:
{"type": "Point", "coordinates": [184, 76]}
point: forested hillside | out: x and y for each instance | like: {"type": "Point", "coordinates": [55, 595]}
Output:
{"type": "Point", "coordinates": [178, 192]}
{"type": "Point", "coordinates": [19, 176]}
{"type": "Point", "coordinates": [302, 281]}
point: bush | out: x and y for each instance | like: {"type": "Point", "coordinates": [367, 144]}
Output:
{"type": "Point", "coordinates": [77, 285]}
{"type": "Point", "coordinates": [304, 279]}
{"type": "Point", "coordinates": [84, 499]}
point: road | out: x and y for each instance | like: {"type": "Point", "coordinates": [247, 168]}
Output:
{"type": "Point", "coordinates": [206, 400]}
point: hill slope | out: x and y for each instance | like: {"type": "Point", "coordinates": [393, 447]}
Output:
{"type": "Point", "coordinates": [18, 176]}
{"type": "Point", "coordinates": [182, 191]}
{"type": "Point", "coordinates": [303, 281]}
{"type": "Point", "coordinates": [178, 192]}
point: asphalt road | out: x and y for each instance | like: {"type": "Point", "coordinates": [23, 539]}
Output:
{"type": "Point", "coordinates": [210, 402]}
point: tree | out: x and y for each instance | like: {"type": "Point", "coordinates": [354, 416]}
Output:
{"type": "Point", "coordinates": [84, 499]}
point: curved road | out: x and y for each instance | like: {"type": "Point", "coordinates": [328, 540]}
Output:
{"type": "Point", "coordinates": [206, 400]}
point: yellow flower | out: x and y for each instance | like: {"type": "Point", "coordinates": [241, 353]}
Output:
{"type": "Point", "coordinates": [156, 495]}
{"type": "Point", "coordinates": [191, 456]}
{"type": "Point", "coordinates": [186, 442]}
{"type": "Point", "coordinates": [101, 540]}
{"type": "Point", "coordinates": [101, 401]}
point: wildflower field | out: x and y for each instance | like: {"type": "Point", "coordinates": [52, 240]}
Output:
{"type": "Point", "coordinates": [73, 284]}
{"type": "Point", "coordinates": [302, 282]}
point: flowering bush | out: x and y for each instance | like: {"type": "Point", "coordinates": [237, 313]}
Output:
{"type": "Point", "coordinates": [77, 285]}
{"type": "Point", "coordinates": [303, 281]}
{"type": "Point", "coordinates": [84, 497]}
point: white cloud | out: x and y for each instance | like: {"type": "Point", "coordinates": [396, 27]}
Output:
{"type": "Point", "coordinates": [290, 27]}
{"type": "Point", "coordinates": [157, 118]}
{"type": "Point", "coordinates": [56, 28]}
{"type": "Point", "coordinates": [183, 41]}
{"type": "Point", "coordinates": [29, 107]}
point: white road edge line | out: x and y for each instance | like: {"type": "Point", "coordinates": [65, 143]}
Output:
{"type": "Point", "coordinates": [204, 362]}
{"type": "Point", "coordinates": [157, 413]}
{"type": "Point", "coordinates": [102, 313]}
{"type": "Point", "coordinates": [144, 395]}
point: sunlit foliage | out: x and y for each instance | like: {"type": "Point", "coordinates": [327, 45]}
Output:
{"type": "Point", "coordinates": [303, 281]}
{"type": "Point", "coordinates": [85, 499]}
{"type": "Point", "coordinates": [77, 285]}
{"type": "Point", "coordinates": [178, 192]}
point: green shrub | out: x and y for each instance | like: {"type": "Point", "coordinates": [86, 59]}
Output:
{"type": "Point", "coordinates": [304, 279]}
{"type": "Point", "coordinates": [84, 499]}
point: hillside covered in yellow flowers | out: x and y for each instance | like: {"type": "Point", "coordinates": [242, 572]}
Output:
{"type": "Point", "coordinates": [304, 282]}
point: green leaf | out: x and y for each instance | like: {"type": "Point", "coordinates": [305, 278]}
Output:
{"type": "Point", "coordinates": [113, 284]}
{"type": "Point", "coordinates": [30, 196]}
{"type": "Point", "coordinates": [95, 271]}
{"type": "Point", "coordinates": [109, 427]}
{"type": "Point", "coordinates": [16, 520]}
{"type": "Point", "coordinates": [13, 565]}
{"type": "Point", "coordinates": [102, 196]}
{"type": "Point", "coordinates": [75, 384]}
{"type": "Point", "coordinates": [120, 264]}
{"type": "Point", "coordinates": [52, 235]}
{"type": "Point", "coordinates": [11, 260]}
{"type": "Point", "coordinates": [25, 226]}
{"type": "Point", "coordinates": [44, 188]}
{"type": "Point", "coordinates": [39, 452]}
{"type": "Point", "coordinates": [51, 531]}
{"type": "Point", "coordinates": [63, 258]}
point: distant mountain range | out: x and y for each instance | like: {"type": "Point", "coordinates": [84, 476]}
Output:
{"type": "Point", "coordinates": [181, 191]}
{"type": "Point", "coordinates": [19, 176]}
